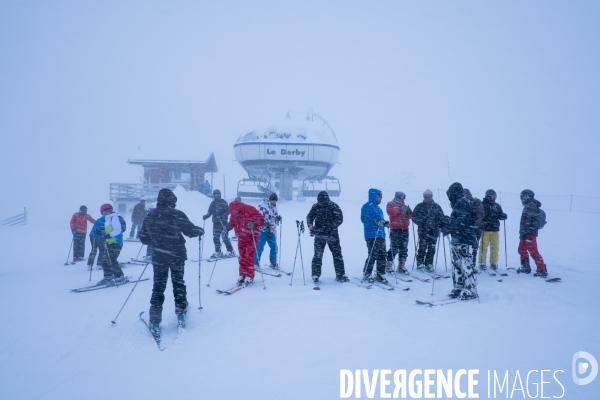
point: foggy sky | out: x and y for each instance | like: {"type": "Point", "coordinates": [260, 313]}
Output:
{"type": "Point", "coordinates": [420, 94]}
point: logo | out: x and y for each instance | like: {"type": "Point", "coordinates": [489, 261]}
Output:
{"type": "Point", "coordinates": [581, 368]}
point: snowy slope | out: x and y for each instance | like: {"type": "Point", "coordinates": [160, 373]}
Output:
{"type": "Point", "coordinates": [286, 342]}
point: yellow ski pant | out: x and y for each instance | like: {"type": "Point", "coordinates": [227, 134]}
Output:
{"type": "Point", "coordinates": [489, 239]}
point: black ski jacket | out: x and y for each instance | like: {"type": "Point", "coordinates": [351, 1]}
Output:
{"type": "Point", "coordinates": [460, 223]}
{"type": "Point", "coordinates": [138, 214]}
{"type": "Point", "coordinates": [219, 209]}
{"type": "Point", "coordinates": [325, 216]}
{"type": "Point", "coordinates": [493, 215]}
{"type": "Point", "coordinates": [529, 218]}
{"type": "Point", "coordinates": [429, 217]}
{"type": "Point", "coordinates": [163, 228]}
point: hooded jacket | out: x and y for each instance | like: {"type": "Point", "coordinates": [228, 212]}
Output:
{"type": "Point", "coordinates": [163, 229]}
{"type": "Point", "coordinates": [399, 215]}
{"type": "Point", "coordinates": [478, 211]}
{"type": "Point", "coordinates": [493, 214]}
{"type": "Point", "coordinates": [460, 221]}
{"type": "Point", "coordinates": [240, 215]}
{"type": "Point", "coordinates": [79, 222]}
{"type": "Point", "coordinates": [219, 209]}
{"type": "Point", "coordinates": [529, 218]}
{"type": "Point", "coordinates": [325, 216]}
{"type": "Point", "coordinates": [370, 213]}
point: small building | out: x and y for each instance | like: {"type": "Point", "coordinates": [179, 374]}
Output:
{"type": "Point", "coordinates": [159, 174]}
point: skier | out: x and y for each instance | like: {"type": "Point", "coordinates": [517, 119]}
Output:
{"type": "Point", "coordinates": [98, 245]}
{"type": "Point", "coordinates": [373, 223]}
{"type": "Point", "coordinates": [219, 209]}
{"type": "Point", "coordinates": [478, 211]}
{"type": "Point", "coordinates": [162, 230]}
{"type": "Point", "coordinates": [79, 230]}
{"type": "Point", "coordinates": [400, 215]}
{"type": "Point", "coordinates": [428, 216]}
{"type": "Point", "coordinates": [137, 217]}
{"type": "Point", "coordinates": [206, 188]}
{"type": "Point", "coordinates": [268, 233]}
{"type": "Point", "coordinates": [528, 232]}
{"type": "Point", "coordinates": [113, 243]}
{"type": "Point", "coordinates": [246, 220]}
{"type": "Point", "coordinates": [460, 226]}
{"type": "Point", "coordinates": [490, 225]}
{"type": "Point", "coordinates": [323, 221]}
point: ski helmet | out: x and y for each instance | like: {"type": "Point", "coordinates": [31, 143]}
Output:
{"type": "Point", "coordinates": [83, 209]}
{"type": "Point", "coordinates": [105, 207]}
{"type": "Point", "coordinates": [273, 196]}
{"type": "Point", "coordinates": [400, 195]}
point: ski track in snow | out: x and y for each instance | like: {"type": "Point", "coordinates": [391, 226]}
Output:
{"type": "Point", "coordinates": [297, 337]}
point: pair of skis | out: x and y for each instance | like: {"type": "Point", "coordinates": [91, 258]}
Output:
{"type": "Point", "coordinates": [97, 287]}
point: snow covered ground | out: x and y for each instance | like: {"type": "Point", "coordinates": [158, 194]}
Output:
{"type": "Point", "coordinates": [287, 342]}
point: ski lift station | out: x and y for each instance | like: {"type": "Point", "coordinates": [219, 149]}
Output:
{"type": "Point", "coordinates": [294, 155]}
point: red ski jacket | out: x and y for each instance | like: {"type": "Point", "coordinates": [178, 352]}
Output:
{"type": "Point", "coordinates": [240, 215]}
{"type": "Point", "coordinates": [78, 222]}
{"type": "Point", "coordinates": [399, 215]}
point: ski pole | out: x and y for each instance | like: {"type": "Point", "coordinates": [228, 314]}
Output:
{"type": "Point", "coordinates": [505, 253]}
{"type": "Point", "coordinates": [444, 246]}
{"type": "Point", "coordinates": [415, 243]}
{"type": "Point", "coordinates": [200, 271]}
{"type": "Point", "coordinates": [201, 252]}
{"type": "Point", "coordinates": [279, 247]}
{"type": "Point", "coordinates": [301, 259]}
{"type": "Point", "coordinates": [256, 251]}
{"type": "Point", "coordinates": [114, 321]}
{"type": "Point", "coordinates": [138, 255]}
{"type": "Point", "coordinates": [92, 265]}
{"type": "Point", "coordinates": [393, 256]}
{"type": "Point", "coordinates": [370, 253]}
{"type": "Point", "coordinates": [437, 256]}
{"type": "Point", "coordinates": [296, 255]}
{"type": "Point", "coordinates": [68, 255]}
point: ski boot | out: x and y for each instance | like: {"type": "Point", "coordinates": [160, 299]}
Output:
{"type": "Point", "coordinates": [421, 267]}
{"type": "Point", "coordinates": [467, 295]}
{"type": "Point", "coordinates": [341, 278]}
{"type": "Point", "coordinates": [240, 281]}
{"type": "Point", "coordinates": [217, 254]}
{"type": "Point", "coordinates": [389, 267]}
{"type": "Point", "coordinates": [155, 330]}
{"type": "Point", "coordinates": [181, 316]}
{"type": "Point", "coordinates": [480, 268]}
{"type": "Point", "coordinates": [315, 279]}
{"type": "Point", "coordinates": [429, 268]}
{"type": "Point", "coordinates": [230, 254]}
{"type": "Point", "coordinates": [542, 274]}
{"type": "Point", "coordinates": [494, 267]}
{"type": "Point", "coordinates": [381, 279]}
{"type": "Point", "coordinates": [107, 280]}
{"type": "Point", "coordinates": [368, 278]}
{"type": "Point", "coordinates": [525, 268]}
{"type": "Point", "coordinates": [274, 265]}
{"type": "Point", "coordinates": [249, 281]}
{"type": "Point", "coordinates": [121, 280]}
{"type": "Point", "coordinates": [89, 267]}
{"type": "Point", "coordinates": [454, 293]}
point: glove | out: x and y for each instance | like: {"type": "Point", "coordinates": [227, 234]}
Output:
{"type": "Point", "coordinates": [278, 218]}
{"type": "Point", "coordinates": [251, 225]}
{"type": "Point", "coordinates": [205, 217]}
{"type": "Point", "coordinates": [504, 216]}
{"type": "Point", "coordinates": [379, 222]}
{"type": "Point", "coordinates": [73, 231]}
{"type": "Point", "coordinates": [106, 236]}
{"type": "Point", "coordinates": [229, 228]}
{"type": "Point", "coordinates": [311, 233]}
{"type": "Point", "coordinates": [386, 224]}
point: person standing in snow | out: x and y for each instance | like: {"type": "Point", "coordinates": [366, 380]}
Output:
{"type": "Point", "coordinates": [400, 215]}
{"type": "Point", "coordinates": [490, 225]}
{"type": "Point", "coordinates": [163, 229]}
{"type": "Point", "coordinates": [98, 245]}
{"type": "Point", "coordinates": [478, 212]}
{"type": "Point", "coordinates": [460, 226]}
{"type": "Point", "coordinates": [206, 187]}
{"type": "Point", "coordinates": [268, 233]}
{"type": "Point", "coordinates": [374, 230]}
{"type": "Point", "coordinates": [137, 217]}
{"type": "Point", "coordinates": [78, 225]}
{"type": "Point", "coordinates": [428, 216]}
{"type": "Point", "coordinates": [323, 221]}
{"type": "Point", "coordinates": [246, 220]}
{"type": "Point", "coordinates": [528, 232]}
{"type": "Point", "coordinates": [113, 243]}
{"type": "Point", "coordinates": [219, 209]}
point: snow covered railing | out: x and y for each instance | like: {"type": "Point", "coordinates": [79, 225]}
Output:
{"type": "Point", "coordinates": [20, 219]}
{"type": "Point", "coordinates": [135, 191]}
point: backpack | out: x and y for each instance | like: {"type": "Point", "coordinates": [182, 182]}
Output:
{"type": "Point", "coordinates": [124, 224]}
{"type": "Point", "coordinates": [541, 218]}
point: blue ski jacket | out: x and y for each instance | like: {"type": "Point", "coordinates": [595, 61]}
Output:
{"type": "Point", "coordinates": [370, 213]}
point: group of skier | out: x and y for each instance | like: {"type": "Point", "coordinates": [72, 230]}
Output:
{"type": "Point", "coordinates": [473, 226]}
